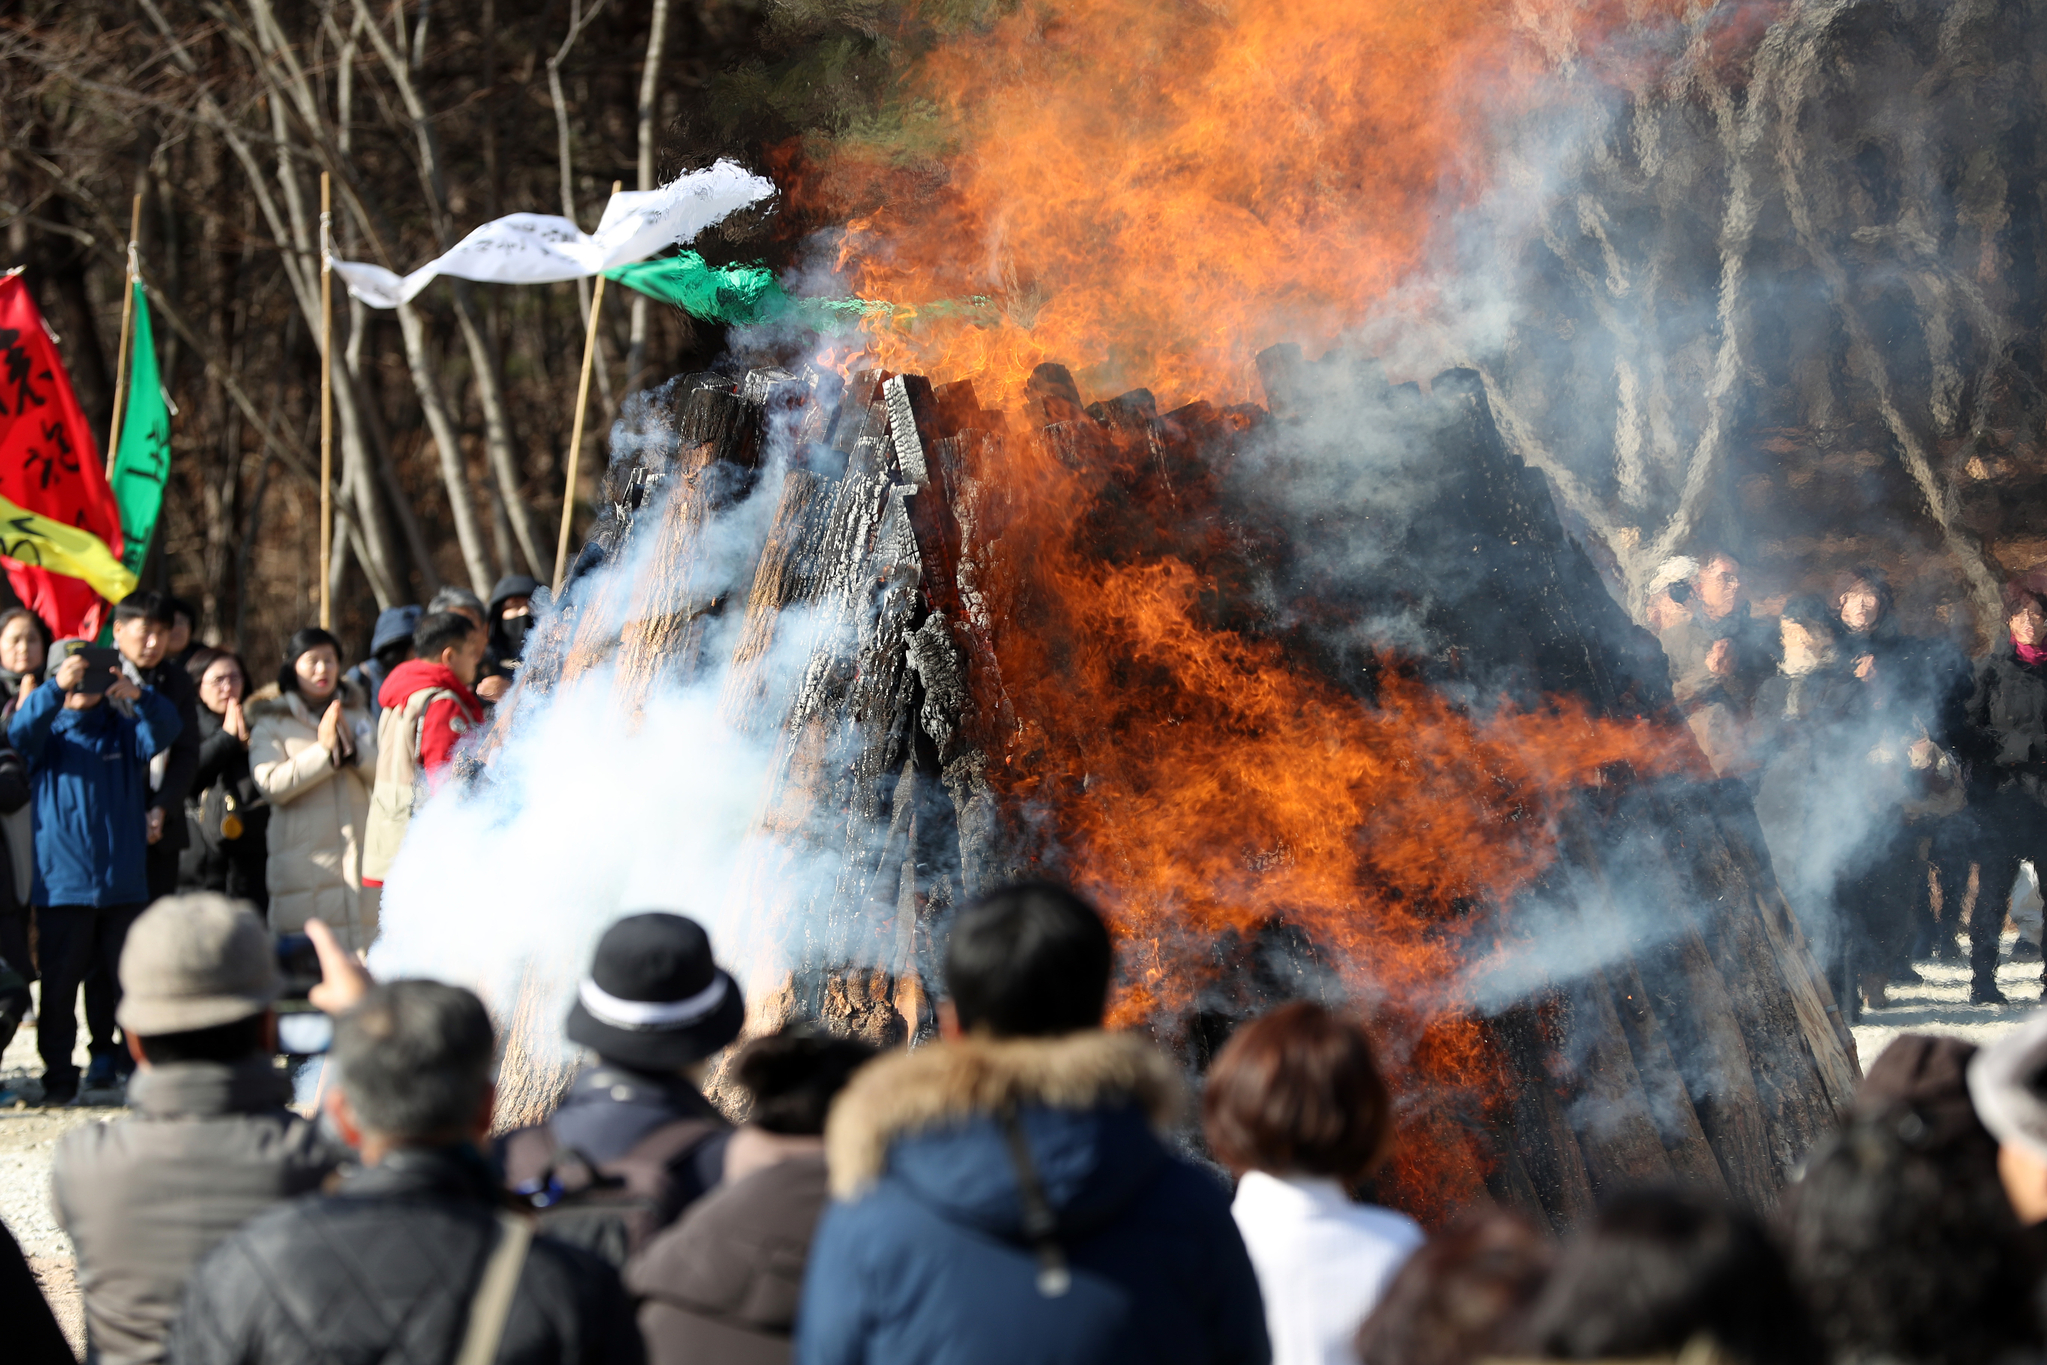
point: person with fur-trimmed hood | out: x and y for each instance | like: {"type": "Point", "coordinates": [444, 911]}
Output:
{"type": "Point", "coordinates": [1004, 1195]}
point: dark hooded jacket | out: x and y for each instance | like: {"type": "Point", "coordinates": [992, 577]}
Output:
{"type": "Point", "coordinates": [384, 1270]}
{"type": "Point", "coordinates": [506, 644]}
{"type": "Point", "coordinates": [924, 1259]}
{"type": "Point", "coordinates": [2005, 737]}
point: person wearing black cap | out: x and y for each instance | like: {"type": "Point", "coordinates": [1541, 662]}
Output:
{"type": "Point", "coordinates": [390, 646]}
{"type": "Point", "coordinates": [655, 1009]}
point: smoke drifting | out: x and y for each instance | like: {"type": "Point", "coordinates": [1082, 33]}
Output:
{"type": "Point", "coordinates": [1316, 700]}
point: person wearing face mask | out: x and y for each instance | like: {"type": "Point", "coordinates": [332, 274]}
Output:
{"type": "Point", "coordinates": [510, 615]}
{"type": "Point", "coordinates": [312, 754]}
{"type": "Point", "coordinates": [2005, 743]}
{"type": "Point", "coordinates": [227, 815]}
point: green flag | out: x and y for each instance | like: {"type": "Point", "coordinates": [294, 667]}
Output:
{"type": "Point", "coordinates": [747, 294]}
{"type": "Point", "coordinates": [142, 461]}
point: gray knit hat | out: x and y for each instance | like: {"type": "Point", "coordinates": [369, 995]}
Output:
{"type": "Point", "coordinates": [2008, 1084]}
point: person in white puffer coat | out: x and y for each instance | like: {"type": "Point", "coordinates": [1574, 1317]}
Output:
{"type": "Point", "coordinates": [1295, 1107]}
{"type": "Point", "coordinates": [313, 754]}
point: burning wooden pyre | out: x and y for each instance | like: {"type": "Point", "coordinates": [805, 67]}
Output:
{"type": "Point", "coordinates": [929, 751]}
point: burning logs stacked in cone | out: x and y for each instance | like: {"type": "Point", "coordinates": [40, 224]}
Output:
{"type": "Point", "coordinates": [1313, 700]}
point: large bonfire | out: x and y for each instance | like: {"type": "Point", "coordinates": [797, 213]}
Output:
{"type": "Point", "coordinates": [1313, 696]}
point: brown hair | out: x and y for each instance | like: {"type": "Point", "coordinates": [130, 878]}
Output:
{"type": "Point", "coordinates": [1465, 1294]}
{"type": "Point", "coordinates": [1296, 1091]}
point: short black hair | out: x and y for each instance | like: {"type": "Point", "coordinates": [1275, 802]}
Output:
{"type": "Point", "coordinates": [221, 1043]}
{"type": "Point", "coordinates": [439, 631]}
{"type": "Point", "coordinates": [180, 607]}
{"type": "Point", "coordinates": [1029, 961]}
{"type": "Point", "coordinates": [415, 1059]}
{"type": "Point", "coordinates": [792, 1076]}
{"type": "Point", "coordinates": [1657, 1268]}
{"type": "Point", "coordinates": [303, 641]}
{"type": "Point", "coordinates": [145, 606]}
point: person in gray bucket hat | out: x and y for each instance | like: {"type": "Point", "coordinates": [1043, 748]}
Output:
{"type": "Point", "coordinates": [655, 1009]}
{"type": "Point", "coordinates": [211, 1142]}
{"type": "Point", "coordinates": [2008, 1086]}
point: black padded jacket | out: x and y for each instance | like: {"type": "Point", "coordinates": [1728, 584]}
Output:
{"type": "Point", "coordinates": [384, 1271]}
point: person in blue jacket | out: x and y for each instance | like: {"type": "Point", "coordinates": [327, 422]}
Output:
{"type": "Point", "coordinates": [1003, 1195]}
{"type": "Point", "coordinates": [88, 767]}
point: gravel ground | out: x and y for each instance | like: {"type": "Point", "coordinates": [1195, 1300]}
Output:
{"type": "Point", "coordinates": [29, 1134]}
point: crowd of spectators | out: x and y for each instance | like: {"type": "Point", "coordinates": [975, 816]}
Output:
{"type": "Point", "coordinates": [1025, 1187]}
{"type": "Point", "coordinates": [1899, 784]}
{"type": "Point", "coordinates": [148, 766]}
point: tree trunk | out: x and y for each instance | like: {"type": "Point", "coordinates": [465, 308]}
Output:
{"type": "Point", "coordinates": [650, 77]}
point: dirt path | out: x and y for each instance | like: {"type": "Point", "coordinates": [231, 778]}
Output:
{"type": "Point", "coordinates": [28, 1136]}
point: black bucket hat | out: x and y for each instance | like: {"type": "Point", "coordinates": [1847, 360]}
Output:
{"type": "Point", "coordinates": [654, 999]}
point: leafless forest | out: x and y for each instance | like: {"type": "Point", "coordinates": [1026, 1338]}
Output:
{"type": "Point", "coordinates": [452, 415]}
{"type": "Point", "coordinates": [1782, 297]}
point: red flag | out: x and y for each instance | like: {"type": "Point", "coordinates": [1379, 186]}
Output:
{"type": "Point", "coordinates": [49, 462]}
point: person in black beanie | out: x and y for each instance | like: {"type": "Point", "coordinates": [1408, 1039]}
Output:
{"type": "Point", "coordinates": [655, 1009]}
{"type": "Point", "coordinates": [510, 616]}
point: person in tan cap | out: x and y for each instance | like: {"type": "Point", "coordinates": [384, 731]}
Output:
{"type": "Point", "coordinates": [211, 1142]}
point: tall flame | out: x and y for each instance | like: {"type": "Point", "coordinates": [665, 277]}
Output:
{"type": "Point", "coordinates": [1151, 193]}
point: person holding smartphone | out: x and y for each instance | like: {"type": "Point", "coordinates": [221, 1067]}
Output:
{"type": "Point", "coordinates": [88, 737]}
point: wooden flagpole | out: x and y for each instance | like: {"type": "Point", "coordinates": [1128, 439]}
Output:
{"type": "Point", "coordinates": [561, 544]}
{"type": "Point", "coordinates": [326, 401]}
{"type": "Point", "coordinates": [127, 323]}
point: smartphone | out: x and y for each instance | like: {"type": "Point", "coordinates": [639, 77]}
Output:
{"type": "Point", "coordinates": [299, 963]}
{"type": "Point", "coordinates": [102, 666]}
{"type": "Point", "coordinates": [304, 1033]}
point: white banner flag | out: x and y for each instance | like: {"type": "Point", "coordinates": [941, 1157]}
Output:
{"type": "Point", "coordinates": [541, 248]}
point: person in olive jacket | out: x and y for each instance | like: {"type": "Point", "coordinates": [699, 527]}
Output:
{"type": "Point", "coordinates": [2005, 742]}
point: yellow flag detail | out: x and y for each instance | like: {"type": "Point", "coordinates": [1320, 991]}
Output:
{"type": "Point", "coordinates": [34, 539]}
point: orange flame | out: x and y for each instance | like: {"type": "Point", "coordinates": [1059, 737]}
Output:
{"type": "Point", "coordinates": [1151, 193]}
{"type": "Point", "coordinates": [1203, 784]}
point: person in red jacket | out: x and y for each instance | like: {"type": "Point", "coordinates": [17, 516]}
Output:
{"type": "Point", "coordinates": [429, 705]}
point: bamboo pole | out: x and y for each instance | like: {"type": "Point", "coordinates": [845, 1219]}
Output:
{"type": "Point", "coordinates": [561, 544]}
{"type": "Point", "coordinates": [326, 401]}
{"type": "Point", "coordinates": [127, 323]}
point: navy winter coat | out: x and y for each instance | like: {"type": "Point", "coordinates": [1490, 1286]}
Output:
{"type": "Point", "coordinates": [924, 1261]}
{"type": "Point", "coordinates": [89, 773]}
